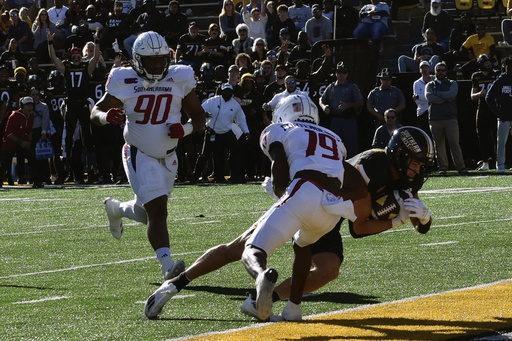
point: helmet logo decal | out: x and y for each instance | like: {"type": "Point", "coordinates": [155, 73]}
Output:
{"type": "Point", "coordinates": [409, 141]}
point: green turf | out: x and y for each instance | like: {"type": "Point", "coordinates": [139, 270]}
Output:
{"type": "Point", "coordinates": [63, 276]}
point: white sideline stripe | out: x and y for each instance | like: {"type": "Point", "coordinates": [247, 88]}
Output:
{"type": "Point", "coordinates": [259, 324]}
{"type": "Point", "coordinates": [32, 199]}
{"type": "Point", "coordinates": [465, 190]}
{"type": "Point", "coordinates": [42, 300]}
{"type": "Point", "coordinates": [93, 265]}
{"type": "Point", "coordinates": [206, 222]}
{"type": "Point", "coordinates": [440, 243]}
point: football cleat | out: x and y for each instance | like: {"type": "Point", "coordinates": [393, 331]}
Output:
{"type": "Point", "coordinates": [114, 217]}
{"type": "Point", "coordinates": [265, 283]}
{"type": "Point", "coordinates": [174, 270]}
{"type": "Point", "coordinates": [292, 312]}
{"type": "Point", "coordinates": [249, 307]}
{"type": "Point", "coordinates": [483, 166]}
{"type": "Point", "coordinates": [156, 302]}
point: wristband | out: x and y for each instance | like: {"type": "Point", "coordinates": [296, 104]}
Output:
{"type": "Point", "coordinates": [102, 117]}
{"type": "Point", "coordinates": [19, 141]}
{"type": "Point", "coordinates": [188, 128]}
{"type": "Point", "coordinates": [50, 42]}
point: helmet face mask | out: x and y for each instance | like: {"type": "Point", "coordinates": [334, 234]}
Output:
{"type": "Point", "coordinates": [407, 144]}
{"type": "Point", "coordinates": [151, 56]}
{"type": "Point", "coordinates": [296, 108]}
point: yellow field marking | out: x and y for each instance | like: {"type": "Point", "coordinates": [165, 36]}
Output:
{"type": "Point", "coordinates": [461, 313]}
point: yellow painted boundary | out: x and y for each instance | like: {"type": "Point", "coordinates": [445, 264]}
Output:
{"type": "Point", "coordinates": [459, 313]}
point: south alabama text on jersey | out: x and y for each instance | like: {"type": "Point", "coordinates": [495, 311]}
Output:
{"type": "Point", "coordinates": [307, 146]}
{"type": "Point", "coordinates": [150, 109]}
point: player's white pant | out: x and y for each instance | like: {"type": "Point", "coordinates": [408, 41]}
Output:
{"type": "Point", "coordinates": [299, 214]}
{"type": "Point", "coordinates": [149, 178]}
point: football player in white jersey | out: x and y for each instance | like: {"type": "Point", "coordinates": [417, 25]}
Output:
{"type": "Point", "coordinates": [311, 157]}
{"type": "Point", "coordinates": [150, 95]}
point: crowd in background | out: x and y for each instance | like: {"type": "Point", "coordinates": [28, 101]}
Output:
{"type": "Point", "coordinates": [262, 50]}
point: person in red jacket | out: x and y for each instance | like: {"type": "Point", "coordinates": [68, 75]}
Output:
{"type": "Point", "coordinates": [17, 137]}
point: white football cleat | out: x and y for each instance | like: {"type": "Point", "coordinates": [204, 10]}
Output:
{"type": "Point", "coordinates": [156, 302]}
{"type": "Point", "coordinates": [265, 283]}
{"type": "Point", "coordinates": [173, 269]}
{"type": "Point", "coordinates": [114, 217]}
{"type": "Point", "coordinates": [249, 309]}
{"type": "Point", "coordinates": [292, 312]}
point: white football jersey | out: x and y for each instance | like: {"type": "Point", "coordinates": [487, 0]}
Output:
{"type": "Point", "coordinates": [150, 109]}
{"type": "Point", "coordinates": [308, 147]}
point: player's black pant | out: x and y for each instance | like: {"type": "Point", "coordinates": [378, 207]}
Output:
{"type": "Point", "coordinates": [486, 125]}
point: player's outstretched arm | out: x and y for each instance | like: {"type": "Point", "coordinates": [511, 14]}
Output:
{"type": "Point", "coordinates": [194, 111]}
{"type": "Point", "coordinates": [107, 110]}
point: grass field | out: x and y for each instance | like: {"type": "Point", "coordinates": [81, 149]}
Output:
{"type": "Point", "coordinates": [63, 276]}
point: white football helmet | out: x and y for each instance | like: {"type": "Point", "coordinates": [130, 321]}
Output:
{"type": "Point", "coordinates": [150, 45]}
{"type": "Point", "coordinates": [296, 108]}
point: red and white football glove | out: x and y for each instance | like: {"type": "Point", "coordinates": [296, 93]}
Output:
{"type": "Point", "coordinates": [115, 116]}
{"type": "Point", "coordinates": [403, 215]}
{"type": "Point", "coordinates": [418, 210]}
{"type": "Point", "coordinates": [178, 130]}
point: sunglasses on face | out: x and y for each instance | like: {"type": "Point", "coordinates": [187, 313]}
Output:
{"type": "Point", "coordinates": [290, 82]}
{"type": "Point", "coordinates": [14, 15]}
{"type": "Point", "coordinates": [441, 70]}
{"type": "Point", "coordinates": [271, 56]}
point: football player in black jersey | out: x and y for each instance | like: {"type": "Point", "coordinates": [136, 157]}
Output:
{"type": "Point", "coordinates": [485, 119]}
{"type": "Point", "coordinates": [77, 72]}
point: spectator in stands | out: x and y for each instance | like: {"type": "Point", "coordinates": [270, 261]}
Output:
{"type": "Point", "coordinates": [485, 119]}
{"type": "Point", "coordinates": [458, 36]}
{"type": "Point", "coordinates": [74, 16]}
{"type": "Point", "coordinates": [271, 17]}
{"type": "Point", "coordinates": [229, 20]}
{"type": "Point", "coordinates": [347, 18]}
{"type": "Point", "coordinates": [477, 45]}
{"type": "Point", "coordinates": [259, 52]}
{"type": "Point", "coordinates": [117, 26]}
{"type": "Point", "coordinates": [268, 70]}
{"type": "Point", "coordinates": [374, 21]}
{"type": "Point", "coordinates": [384, 97]}
{"type": "Point", "coordinates": [291, 89]}
{"type": "Point", "coordinates": [13, 57]}
{"type": "Point", "coordinates": [85, 29]}
{"type": "Point", "coordinates": [20, 31]}
{"type": "Point", "coordinates": [440, 21]}
{"type": "Point", "coordinates": [260, 82]}
{"type": "Point", "coordinates": [441, 95]}
{"type": "Point", "coordinates": [282, 21]}
{"type": "Point", "coordinates": [176, 24]}
{"type": "Point", "coordinates": [300, 14]}
{"type": "Point", "coordinates": [234, 81]}
{"type": "Point", "coordinates": [249, 7]}
{"type": "Point", "coordinates": [419, 98]}
{"type": "Point", "coordinates": [17, 140]}
{"type": "Point", "coordinates": [189, 46]}
{"type": "Point", "coordinates": [4, 26]}
{"type": "Point", "coordinates": [244, 43]}
{"type": "Point", "coordinates": [150, 20]}
{"type": "Point", "coordinates": [214, 49]}
{"type": "Point", "coordinates": [57, 15]}
{"type": "Point", "coordinates": [283, 51]}
{"type": "Point", "coordinates": [276, 86]}
{"type": "Point", "coordinates": [385, 131]}
{"type": "Point", "coordinates": [499, 99]}
{"type": "Point", "coordinates": [244, 63]}
{"type": "Point", "coordinates": [429, 51]}
{"type": "Point", "coordinates": [328, 10]}
{"type": "Point", "coordinates": [24, 16]}
{"type": "Point", "coordinates": [35, 70]}
{"type": "Point", "coordinates": [41, 24]}
{"type": "Point", "coordinates": [256, 20]}
{"type": "Point", "coordinates": [301, 51]}
{"type": "Point", "coordinates": [342, 100]}
{"type": "Point", "coordinates": [318, 27]}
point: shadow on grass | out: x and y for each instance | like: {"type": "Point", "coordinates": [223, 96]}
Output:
{"type": "Point", "coordinates": [24, 287]}
{"type": "Point", "coordinates": [403, 329]}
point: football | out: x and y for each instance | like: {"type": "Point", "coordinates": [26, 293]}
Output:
{"type": "Point", "coordinates": [387, 206]}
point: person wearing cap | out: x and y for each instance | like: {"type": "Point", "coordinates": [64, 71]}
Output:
{"type": "Point", "coordinates": [21, 31]}
{"type": "Point", "coordinates": [441, 95]}
{"type": "Point", "coordinates": [291, 89]}
{"type": "Point", "coordinates": [176, 24]}
{"type": "Point", "coordinates": [234, 80]}
{"type": "Point", "coordinates": [272, 57]}
{"type": "Point", "coordinates": [318, 27]}
{"type": "Point", "coordinates": [225, 117]}
{"type": "Point", "coordinates": [77, 74]}
{"type": "Point", "coordinates": [342, 101]}
{"type": "Point", "coordinates": [440, 21]}
{"type": "Point", "coordinates": [430, 51]}
{"type": "Point", "coordinates": [151, 19]}
{"type": "Point", "coordinates": [419, 97]}
{"type": "Point", "coordinates": [384, 97]}
{"type": "Point", "coordinates": [282, 21]}
{"type": "Point", "coordinates": [374, 20]}
{"type": "Point", "coordinates": [300, 14]}
{"type": "Point", "coordinates": [283, 50]}
{"type": "Point", "coordinates": [256, 21]}
{"type": "Point", "coordinates": [17, 141]}
{"type": "Point", "coordinates": [477, 45]}
{"type": "Point", "coordinates": [244, 43]}
{"type": "Point", "coordinates": [189, 46]}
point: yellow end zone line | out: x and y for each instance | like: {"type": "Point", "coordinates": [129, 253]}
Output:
{"type": "Point", "coordinates": [458, 313]}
